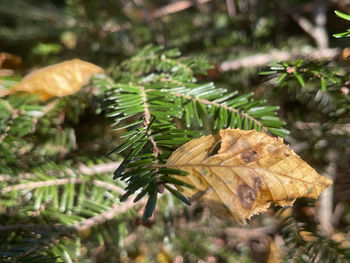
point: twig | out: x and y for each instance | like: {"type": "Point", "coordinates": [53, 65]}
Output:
{"type": "Point", "coordinates": [318, 31]}
{"type": "Point", "coordinates": [98, 169]}
{"type": "Point", "coordinates": [252, 233]}
{"type": "Point", "coordinates": [147, 121]}
{"type": "Point", "coordinates": [83, 169]}
{"type": "Point", "coordinates": [76, 227]}
{"type": "Point", "coordinates": [175, 7]}
{"type": "Point", "coordinates": [320, 17]}
{"type": "Point", "coordinates": [338, 129]}
{"type": "Point", "coordinates": [262, 59]}
{"type": "Point", "coordinates": [337, 214]}
{"type": "Point", "coordinates": [80, 226]}
{"type": "Point", "coordinates": [101, 218]}
{"type": "Point", "coordinates": [231, 10]}
{"type": "Point", "coordinates": [325, 211]}
{"type": "Point", "coordinates": [33, 185]}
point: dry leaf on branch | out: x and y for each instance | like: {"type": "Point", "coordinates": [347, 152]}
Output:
{"type": "Point", "coordinates": [58, 80]}
{"type": "Point", "coordinates": [250, 170]}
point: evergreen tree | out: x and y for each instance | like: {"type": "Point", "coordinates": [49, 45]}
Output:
{"type": "Point", "coordinates": [64, 199]}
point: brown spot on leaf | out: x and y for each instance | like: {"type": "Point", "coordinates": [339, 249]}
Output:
{"type": "Point", "coordinates": [246, 195]}
{"type": "Point", "coordinates": [257, 183]}
{"type": "Point", "coordinates": [249, 156]}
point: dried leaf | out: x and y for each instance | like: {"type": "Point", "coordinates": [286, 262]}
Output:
{"type": "Point", "coordinates": [250, 170]}
{"type": "Point", "coordinates": [58, 80]}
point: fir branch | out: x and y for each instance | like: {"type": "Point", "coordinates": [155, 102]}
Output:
{"type": "Point", "coordinates": [228, 108]}
{"type": "Point", "coordinates": [76, 227]}
{"type": "Point", "coordinates": [160, 87]}
{"type": "Point", "coordinates": [79, 226]}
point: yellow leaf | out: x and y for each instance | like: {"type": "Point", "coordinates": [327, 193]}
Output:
{"type": "Point", "coordinates": [250, 170]}
{"type": "Point", "coordinates": [58, 80]}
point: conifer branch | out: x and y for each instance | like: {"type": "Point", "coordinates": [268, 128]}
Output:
{"type": "Point", "coordinates": [79, 226]}
{"type": "Point", "coordinates": [208, 102]}
{"type": "Point", "coordinates": [76, 227]}
{"type": "Point", "coordinates": [160, 86]}
{"type": "Point", "coordinates": [16, 113]}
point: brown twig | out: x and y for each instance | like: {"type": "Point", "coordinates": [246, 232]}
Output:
{"type": "Point", "coordinates": [231, 9]}
{"type": "Point", "coordinates": [83, 169]}
{"type": "Point", "coordinates": [252, 233]}
{"type": "Point", "coordinates": [101, 218]}
{"type": "Point", "coordinates": [175, 7]}
{"type": "Point", "coordinates": [317, 31]}
{"type": "Point", "coordinates": [98, 169]}
{"type": "Point", "coordinates": [34, 185]}
{"type": "Point", "coordinates": [325, 209]}
{"type": "Point", "coordinates": [337, 129]}
{"type": "Point", "coordinates": [147, 121]}
{"type": "Point", "coordinates": [262, 59]}
{"type": "Point", "coordinates": [76, 227]}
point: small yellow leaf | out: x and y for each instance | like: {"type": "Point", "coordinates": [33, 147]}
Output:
{"type": "Point", "coordinates": [250, 170]}
{"type": "Point", "coordinates": [58, 80]}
